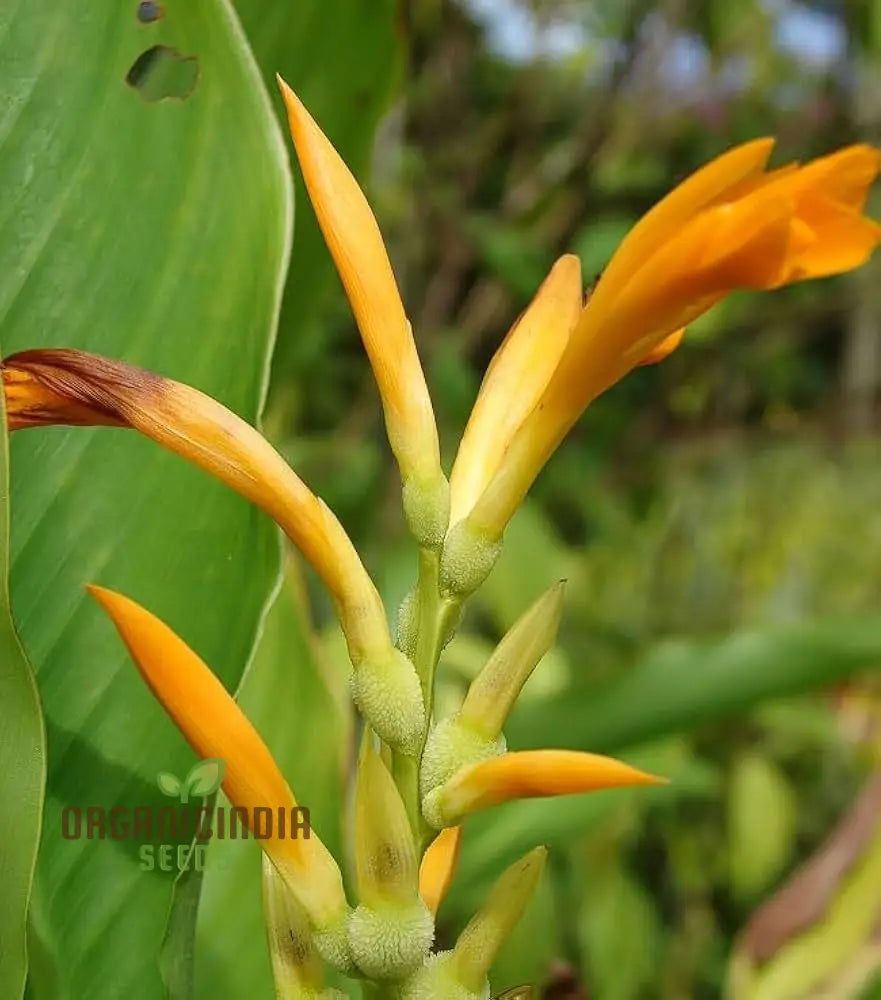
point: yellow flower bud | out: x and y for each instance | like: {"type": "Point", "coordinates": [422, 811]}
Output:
{"type": "Point", "coordinates": [65, 386]}
{"type": "Point", "coordinates": [216, 727]}
{"type": "Point", "coordinates": [490, 927]}
{"type": "Point", "coordinates": [391, 930]}
{"type": "Point", "coordinates": [296, 966]}
{"type": "Point", "coordinates": [438, 866]}
{"type": "Point", "coordinates": [526, 774]}
{"type": "Point", "coordinates": [357, 247]}
{"type": "Point", "coordinates": [494, 691]}
{"type": "Point", "coordinates": [514, 382]}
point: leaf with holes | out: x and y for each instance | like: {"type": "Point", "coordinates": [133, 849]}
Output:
{"type": "Point", "coordinates": [156, 231]}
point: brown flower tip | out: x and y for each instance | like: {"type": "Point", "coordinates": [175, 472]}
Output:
{"type": "Point", "coordinates": [70, 387]}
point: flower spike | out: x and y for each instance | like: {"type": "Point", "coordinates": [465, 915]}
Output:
{"type": "Point", "coordinates": [729, 226]}
{"type": "Point", "coordinates": [60, 386]}
{"type": "Point", "coordinates": [355, 242]}
{"type": "Point", "coordinates": [526, 774]}
{"type": "Point", "coordinates": [216, 727]}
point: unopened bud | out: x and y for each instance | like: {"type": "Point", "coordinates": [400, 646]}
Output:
{"type": "Point", "coordinates": [392, 929]}
{"type": "Point", "coordinates": [427, 509]}
{"type": "Point", "coordinates": [438, 979]}
{"type": "Point", "coordinates": [468, 558]}
{"type": "Point", "coordinates": [296, 966]}
{"type": "Point", "coordinates": [479, 943]}
{"type": "Point", "coordinates": [452, 745]}
{"type": "Point", "coordinates": [493, 693]}
{"type": "Point", "coordinates": [386, 689]}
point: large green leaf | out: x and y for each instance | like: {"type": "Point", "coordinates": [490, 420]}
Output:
{"type": "Point", "coordinates": [286, 696]}
{"type": "Point", "coordinates": [158, 232]}
{"type": "Point", "coordinates": [22, 767]}
{"type": "Point", "coordinates": [683, 684]}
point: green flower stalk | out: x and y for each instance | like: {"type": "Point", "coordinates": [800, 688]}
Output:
{"type": "Point", "coordinates": [731, 225]}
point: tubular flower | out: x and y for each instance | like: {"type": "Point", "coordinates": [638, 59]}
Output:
{"type": "Point", "coordinates": [729, 226]}
{"type": "Point", "coordinates": [356, 245]}
{"type": "Point", "coordinates": [215, 726]}
{"type": "Point", "coordinates": [439, 865]}
{"type": "Point", "coordinates": [60, 386]}
{"type": "Point", "coordinates": [526, 774]}
{"type": "Point", "coordinates": [515, 380]}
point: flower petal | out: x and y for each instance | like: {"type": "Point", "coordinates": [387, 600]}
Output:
{"type": "Point", "coordinates": [665, 348]}
{"type": "Point", "coordinates": [527, 774]}
{"type": "Point", "coordinates": [357, 247]}
{"type": "Point", "coordinates": [439, 865]}
{"type": "Point", "coordinates": [702, 188]}
{"type": "Point", "coordinates": [216, 727]}
{"type": "Point", "coordinates": [515, 380]}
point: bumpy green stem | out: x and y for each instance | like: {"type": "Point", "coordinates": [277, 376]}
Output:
{"type": "Point", "coordinates": [436, 615]}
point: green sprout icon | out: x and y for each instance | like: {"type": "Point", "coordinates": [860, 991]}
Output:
{"type": "Point", "coordinates": [204, 778]}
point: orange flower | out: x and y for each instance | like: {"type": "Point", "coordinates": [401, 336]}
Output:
{"type": "Point", "coordinates": [514, 382]}
{"type": "Point", "coordinates": [66, 386]}
{"type": "Point", "coordinates": [526, 774]}
{"type": "Point", "coordinates": [355, 242]}
{"type": "Point", "coordinates": [439, 865]}
{"type": "Point", "coordinates": [729, 226]}
{"type": "Point", "coordinates": [216, 727]}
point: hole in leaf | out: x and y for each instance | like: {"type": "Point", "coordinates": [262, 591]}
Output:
{"type": "Point", "coordinates": [162, 72]}
{"type": "Point", "coordinates": [149, 11]}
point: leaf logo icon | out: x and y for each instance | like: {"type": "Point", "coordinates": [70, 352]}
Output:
{"type": "Point", "coordinates": [168, 784]}
{"type": "Point", "coordinates": [204, 778]}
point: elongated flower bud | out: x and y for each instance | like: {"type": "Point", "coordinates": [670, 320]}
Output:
{"type": "Point", "coordinates": [461, 974]}
{"type": "Point", "coordinates": [494, 691]}
{"type": "Point", "coordinates": [296, 966]}
{"type": "Point", "coordinates": [216, 727]}
{"type": "Point", "coordinates": [65, 386]}
{"type": "Point", "coordinates": [514, 382]}
{"type": "Point", "coordinates": [490, 927]}
{"type": "Point", "coordinates": [474, 733]}
{"type": "Point", "coordinates": [391, 930]}
{"type": "Point", "coordinates": [357, 247]}
{"type": "Point", "coordinates": [438, 866]}
{"type": "Point", "coordinates": [526, 774]}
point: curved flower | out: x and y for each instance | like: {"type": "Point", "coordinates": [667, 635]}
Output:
{"type": "Point", "coordinates": [526, 774]}
{"type": "Point", "coordinates": [216, 727]}
{"type": "Point", "coordinates": [729, 226]}
{"type": "Point", "coordinates": [57, 386]}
